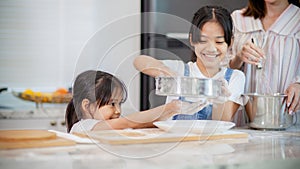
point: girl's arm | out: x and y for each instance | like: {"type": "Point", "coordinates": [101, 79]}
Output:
{"type": "Point", "coordinates": [152, 67]}
{"type": "Point", "coordinates": [141, 119]}
{"type": "Point", "coordinates": [225, 111]}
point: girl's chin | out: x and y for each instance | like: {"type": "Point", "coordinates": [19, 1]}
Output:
{"type": "Point", "coordinates": [209, 59]}
{"type": "Point", "coordinates": [210, 63]}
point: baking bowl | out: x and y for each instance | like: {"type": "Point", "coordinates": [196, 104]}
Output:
{"type": "Point", "coordinates": [187, 86]}
{"type": "Point", "coordinates": [270, 111]}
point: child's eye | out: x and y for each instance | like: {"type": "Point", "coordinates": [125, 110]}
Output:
{"type": "Point", "coordinates": [220, 42]}
{"type": "Point", "coordinates": [202, 41]}
{"type": "Point", "coordinates": [114, 104]}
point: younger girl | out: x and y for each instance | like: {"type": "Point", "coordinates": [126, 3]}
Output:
{"type": "Point", "coordinates": [96, 105]}
{"type": "Point", "coordinates": [211, 36]}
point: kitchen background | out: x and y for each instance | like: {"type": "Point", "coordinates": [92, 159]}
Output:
{"type": "Point", "coordinates": [44, 44]}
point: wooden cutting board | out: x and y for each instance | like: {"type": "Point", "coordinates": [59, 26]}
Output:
{"type": "Point", "coordinates": [14, 139]}
{"type": "Point", "coordinates": [155, 135]}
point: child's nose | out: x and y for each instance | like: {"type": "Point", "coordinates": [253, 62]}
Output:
{"type": "Point", "coordinates": [118, 110]}
{"type": "Point", "coordinates": [211, 47]}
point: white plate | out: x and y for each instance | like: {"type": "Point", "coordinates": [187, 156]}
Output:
{"type": "Point", "coordinates": [75, 138]}
{"type": "Point", "coordinates": [194, 126]}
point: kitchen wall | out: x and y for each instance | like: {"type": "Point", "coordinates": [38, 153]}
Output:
{"type": "Point", "coordinates": [44, 44]}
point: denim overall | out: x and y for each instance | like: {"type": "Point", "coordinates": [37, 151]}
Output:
{"type": "Point", "coordinates": [206, 112]}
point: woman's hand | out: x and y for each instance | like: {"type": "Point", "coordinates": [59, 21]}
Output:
{"type": "Point", "coordinates": [250, 53]}
{"type": "Point", "coordinates": [293, 97]}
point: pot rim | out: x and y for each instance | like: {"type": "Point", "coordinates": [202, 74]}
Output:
{"type": "Point", "coordinates": [188, 78]}
{"type": "Point", "coordinates": [265, 95]}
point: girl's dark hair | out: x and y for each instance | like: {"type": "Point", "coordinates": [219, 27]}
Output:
{"type": "Point", "coordinates": [210, 13]}
{"type": "Point", "coordinates": [257, 8]}
{"type": "Point", "coordinates": [96, 86]}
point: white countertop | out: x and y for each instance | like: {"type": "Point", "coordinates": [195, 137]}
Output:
{"type": "Point", "coordinates": [262, 149]}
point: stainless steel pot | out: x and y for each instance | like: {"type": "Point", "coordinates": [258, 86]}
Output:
{"type": "Point", "coordinates": [269, 111]}
{"type": "Point", "coordinates": [188, 86]}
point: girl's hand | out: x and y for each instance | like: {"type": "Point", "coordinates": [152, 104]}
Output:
{"type": "Point", "coordinates": [251, 54]}
{"type": "Point", "coordinates": [225, 93]}
{"type": "Point", "coordinates": [152, 66]}
{"type": "Point", "coordinates": [182, 107]}
{"type": "Point", "coordinates": [166, 72]}
{"type": "Point", "coordinates": [293, 97]}
{"type": "Point", "coordinates": [190, 108]}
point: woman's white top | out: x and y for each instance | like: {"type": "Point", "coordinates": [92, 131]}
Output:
{"type": "Point", "coordinates": [235, 85]}
{"type": "Point", "coordinates": [281, 44]}
{"type": "Point", "coordinates": [84, 125]}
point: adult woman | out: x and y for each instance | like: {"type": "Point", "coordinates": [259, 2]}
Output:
{"type": "Point", "coordinates": [274, 27]}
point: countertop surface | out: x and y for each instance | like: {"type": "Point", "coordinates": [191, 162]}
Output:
{"type": "Point", "coordinates": [262, 149]}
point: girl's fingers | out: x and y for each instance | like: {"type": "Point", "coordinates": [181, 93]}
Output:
{"type": "Point", "coordinates": [191, 107]}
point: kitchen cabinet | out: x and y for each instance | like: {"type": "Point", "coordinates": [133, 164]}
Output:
{"type": "Point", "coordinates": [37, 123]}
{"type": "Point", "coordinates": [19, 114]}
{"type": "Point", "coordinates": [35, 118]}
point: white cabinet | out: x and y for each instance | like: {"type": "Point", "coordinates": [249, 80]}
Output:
{"type": "Point", "coordinates": [24, 114]}
{"type": "Point", "coordinates": [36, 123]}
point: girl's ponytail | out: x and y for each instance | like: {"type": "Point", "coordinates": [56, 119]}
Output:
{"type": "Point", "coordinates": [71, 116]}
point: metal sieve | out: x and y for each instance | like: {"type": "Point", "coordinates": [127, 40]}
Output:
{"type": "Point", "coordinates": [188, 86]}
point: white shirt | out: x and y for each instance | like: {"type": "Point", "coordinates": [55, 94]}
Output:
{"type": "Point", "coordinates": [281, 44]}
{"type": "Point", "coordinates": [84, 125]}
{"type": "Point", "coordinates": [235, 85]}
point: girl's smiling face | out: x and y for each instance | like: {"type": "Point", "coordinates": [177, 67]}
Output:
{"type": "Point", "coordinates": [212, 48]}
{"type": "Point", "coordinates": [111, 110]}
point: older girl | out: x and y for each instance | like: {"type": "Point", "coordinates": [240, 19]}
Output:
{"type": "Point", "coordinates": [210, 36]}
